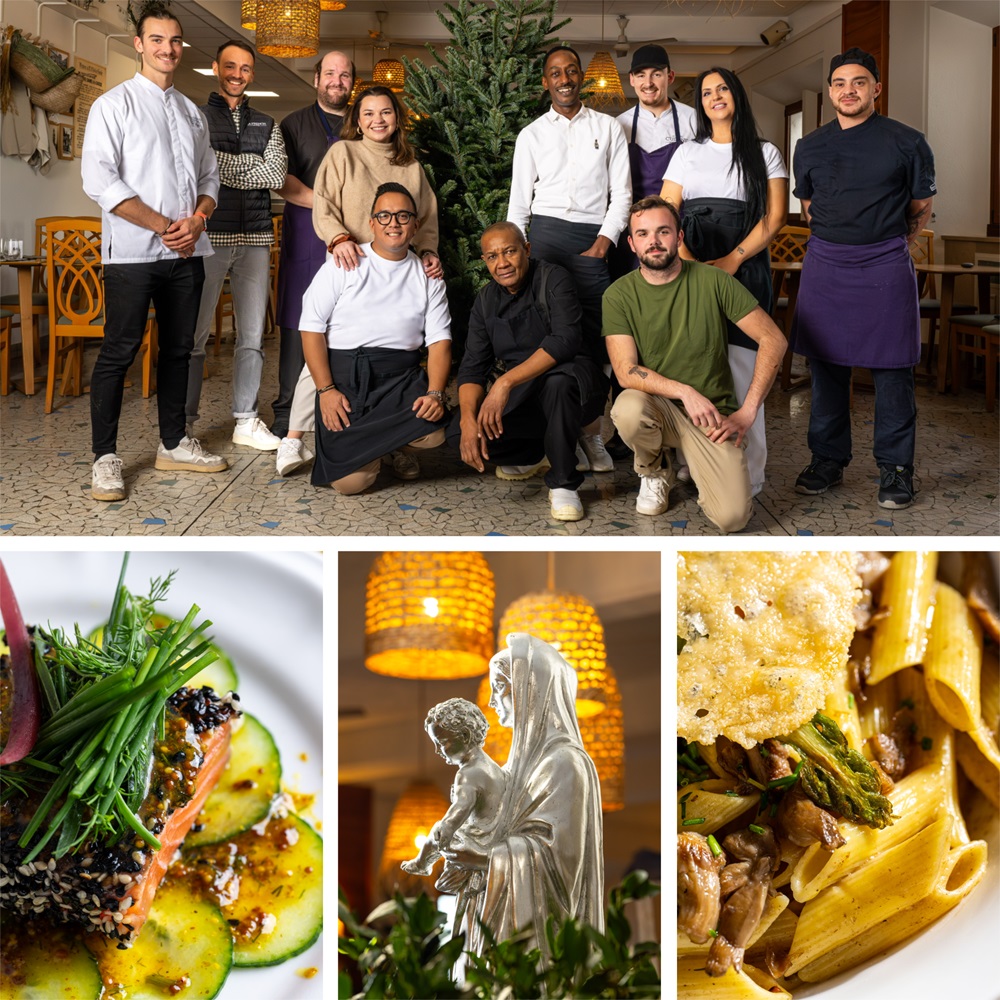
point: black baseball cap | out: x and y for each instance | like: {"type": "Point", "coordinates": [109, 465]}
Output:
{"type": "Point", "coordinates": [649, 57]}
{"type": "Point", "coordinates": [854, 56]}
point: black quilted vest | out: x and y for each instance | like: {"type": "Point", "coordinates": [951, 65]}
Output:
{"type": "Point", "coordinates": [239, 211]}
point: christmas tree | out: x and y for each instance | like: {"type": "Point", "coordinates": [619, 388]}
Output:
{"type": "Point", "coordinates": [471, 103]}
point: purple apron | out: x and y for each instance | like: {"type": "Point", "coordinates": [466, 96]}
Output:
{"type": "Point", "coordinates": [647, 179]}
{"type": "Point", "coordinates": [858, 305]}
{"type": "Point", "coordinates": [301, 254]}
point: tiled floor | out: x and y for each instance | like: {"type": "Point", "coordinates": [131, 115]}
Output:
{"type": "Point", "coordinates": [46, 460]}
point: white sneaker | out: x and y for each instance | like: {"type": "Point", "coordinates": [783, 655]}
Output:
{"type": "Point", "coordinates": [293, 453]}
{"type": "Point", "coordinates": [515, 473]}
{"type": "Point", "coordinates": [106, 482]}
{"type": "Point", "coordinates": [189, 456]}
{"type": "Point", "coordinates": [405, 465]}
{"type": "Point", "coordinates": [598, 459]}
{"type": "Point", "coordinates": [253, 433]}
{"type": "Point", "coordinates": [565, 505]}
{"type": "Point", "coordinates": [683, 474]}
{"type": "Point", "coordinates": [654, 495]}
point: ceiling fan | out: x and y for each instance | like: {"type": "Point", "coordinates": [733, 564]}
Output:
{"type": "Point", "coordinates": [622, 43]}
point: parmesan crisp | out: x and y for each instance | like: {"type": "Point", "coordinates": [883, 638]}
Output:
{"type": "Point", "coordinates": [766, 635]}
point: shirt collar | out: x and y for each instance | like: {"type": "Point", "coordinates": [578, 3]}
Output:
{"type": "Point", "coordinates": [552, 115]}
{"type": "Point", "coordinates": [152, 87]}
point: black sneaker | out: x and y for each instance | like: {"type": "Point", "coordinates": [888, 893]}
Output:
{"type": "Point", "coordinates": [895, 487]}
{"type": "Point", "coordinates": [818, 476]}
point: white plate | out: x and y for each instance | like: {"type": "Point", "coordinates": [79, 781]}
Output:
{"type": "Point", "coordinates": [267, 614]}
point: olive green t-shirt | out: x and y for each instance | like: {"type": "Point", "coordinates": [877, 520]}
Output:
{"type": "Point", "coordinates": [679, 328]}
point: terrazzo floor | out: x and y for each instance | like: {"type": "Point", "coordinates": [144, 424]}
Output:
{"type": "Point", "coordinates": [45, 464]}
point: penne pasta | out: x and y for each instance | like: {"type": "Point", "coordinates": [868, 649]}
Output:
{"type": "Point", "coordinates": [901, 633]}
{"type": "Point", "coordinates": [705, 806]}
{"type": "Point", "coordinates": [774, 907]}
{"type": "Point", "coordinates": [778, 936]}
{"type": "Point", "coordinates": [954, 659]}
{"type": "Point", "coordinates": [978, 769]}
{"type": "Point", "coordinates": [694, 984]}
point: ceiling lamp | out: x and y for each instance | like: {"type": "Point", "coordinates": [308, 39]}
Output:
{"type": "Point", "coordinates": [429, 615]}
{"type": "Point", "coordinates": [332, 4]}
{"type": "Point", "coordinates": [248, 14]}
{"type": "Point", "coordinates": [390, 73]}
{"type": "Point", "coordinates": [288, 29]}
{"type": "Point", "coordinates": [570, 624]}
{"type": "Point", "coordinates": [359, 85]}
{"type": "Point", "coordinates": [418, 809]}
{"type": "Point", "coordinates": [602, 82]}
{"type": "Point", "coordinates": [603, 738]}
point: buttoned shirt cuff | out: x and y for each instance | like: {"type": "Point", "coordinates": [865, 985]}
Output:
{"type": "Point", "coordinates": [111, 197]}
{"type": "Point", "coordinates": [611, 233]}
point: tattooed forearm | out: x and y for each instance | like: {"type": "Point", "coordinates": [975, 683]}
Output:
{"type": "Point", "coordinates": [636, 370]}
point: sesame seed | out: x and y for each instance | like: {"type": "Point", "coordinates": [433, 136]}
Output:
{"type": "Point", "coordinates": [97, 902]}
{"type": "Point", "coordinates": [125, 903]}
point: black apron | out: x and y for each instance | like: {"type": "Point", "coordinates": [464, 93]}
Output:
{"type": "Point", "coordinates": [712, 229]}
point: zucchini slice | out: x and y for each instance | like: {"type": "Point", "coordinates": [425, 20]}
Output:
{"type": "Point", "coordinates": [184, 949]}
{"type": "Point", "coordinates": [246, 789]}
{"type": "Point", "coordinates": [46, 963]}
{"type": "Point", "coordinates": [221, 675]}
{"type": "Point", "coordinates": [279, 910]}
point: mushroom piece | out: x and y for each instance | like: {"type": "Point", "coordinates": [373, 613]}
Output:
{"type": "Point", "coordinates": [806, 823]}
{"type": "Point", "coordinates": [698, 895]}
{"type": "Point", "coordinates": [758, 857]}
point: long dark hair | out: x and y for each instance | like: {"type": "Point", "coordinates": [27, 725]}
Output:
{"type": "Point", "coordinates": [403, 154]}
{"type": "Point", "coordinates": [748, 156]}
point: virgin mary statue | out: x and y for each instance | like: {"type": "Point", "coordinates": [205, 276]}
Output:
{"type": "Point", "coordinates": [547, 853]}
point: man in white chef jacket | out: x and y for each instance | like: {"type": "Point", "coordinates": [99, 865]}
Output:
{"type": "Point", "coordinates": [148, 163]}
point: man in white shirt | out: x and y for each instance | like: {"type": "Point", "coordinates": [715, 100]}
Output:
{"type": "Point", "coordinates": [148, 163]}
{"type": "Point", "coordinates": [362, 334]}
{"type": "Point", "coordinates": [570, 192]}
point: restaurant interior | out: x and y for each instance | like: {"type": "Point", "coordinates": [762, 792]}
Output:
{"type": "Point", "coordinates": [939, 75]}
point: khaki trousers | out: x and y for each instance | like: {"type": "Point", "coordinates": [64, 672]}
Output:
{"type": "Point", "coordinates": [650, 425]}
{"type": "Point", "coordinates": [361, 479]}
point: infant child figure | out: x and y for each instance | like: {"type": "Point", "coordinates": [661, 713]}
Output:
{"type": "Point", "coordinates": [458, 730]}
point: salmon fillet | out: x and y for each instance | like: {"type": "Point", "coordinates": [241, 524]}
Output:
{"type": "Point", "coordinates": [110, 887]}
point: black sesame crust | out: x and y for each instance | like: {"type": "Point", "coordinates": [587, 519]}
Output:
{"type": "Point", "coordinates": [94, 885]}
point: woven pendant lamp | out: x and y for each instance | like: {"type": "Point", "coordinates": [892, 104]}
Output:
{"type": "Point", "coordinates": [390, 73]}
{"type": "Point", "coordinates": [605, 85]}
{"type": "Point", "coordinates": [288, 29]}
{"type": "Point", "coordinates": [248, 14]}
{"type": "Point", "coordinates": [332, 4]}
{"type": "Point", "coordinates": [416, 811]}
{"type": "Point", "coordinates": [429, 615]}
{"type": "Point", "coordinates": [603, 738]}
{"type": "Point", "coordinates": [359, 86]}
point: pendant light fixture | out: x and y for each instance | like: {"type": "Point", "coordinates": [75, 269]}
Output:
{"type": "Point", "coordinates": [288, 29]}
{"type": "Point", "coordinates": [605, 85]}
{"type": "Point", "coordinates": [415, 812]}
{"type": "Point", "coordinates": [332, 5]}
{"type": "Point", "coordinates": [248, 14]}
{"type": "Point", "coordinates": [387, 72]}
{"type": "Point", "coordinates": [429, 615]}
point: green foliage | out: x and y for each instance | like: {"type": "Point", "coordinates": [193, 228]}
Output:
{"type": "Point", "coordinates": [472, 102]}
{"type": "Point", "coordinates": [411, 960]}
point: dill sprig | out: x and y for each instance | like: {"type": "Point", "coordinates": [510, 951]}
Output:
{"type": "Point", "coordinates": [105, 702]}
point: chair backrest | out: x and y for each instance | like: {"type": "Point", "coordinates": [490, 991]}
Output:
{"type": "Point", "coordinates": [73, 262]}
{"type": "Point", "coordinates": [789, 244]}
{"type": "Point", "coordinates": [922, 252]}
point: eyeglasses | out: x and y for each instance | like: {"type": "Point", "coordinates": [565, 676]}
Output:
{"type": "Point", "coordinates": [508, 253]}
{"type": "Point", "coordinates": [403, 218]}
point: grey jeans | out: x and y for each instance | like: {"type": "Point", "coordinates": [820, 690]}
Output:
{"type": "Point", "coordinates": [249, 277]}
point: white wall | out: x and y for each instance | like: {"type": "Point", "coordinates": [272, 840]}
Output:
{"type": "Point", "coordinates": [958, 122]}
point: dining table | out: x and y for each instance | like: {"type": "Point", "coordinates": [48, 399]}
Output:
{"type": "Point", "coordinates": [793, 269]}
{"type": "Point", "coordinates": [24, 267]}
{"type": "Point", "coordinates": [948, 274]}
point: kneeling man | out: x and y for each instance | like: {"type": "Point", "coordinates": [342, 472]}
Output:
{"type": "Point", "coordinates": [362, 332]}
{"type": "Point", "coordinates": [529, 320]}
{"type": "Point", "coordinates": [665, 327]}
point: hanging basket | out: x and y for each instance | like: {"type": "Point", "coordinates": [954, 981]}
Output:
{"type": "Point", "coordinates": [58, 100]}
{"type": "Point", "coordinates": [33, 66]}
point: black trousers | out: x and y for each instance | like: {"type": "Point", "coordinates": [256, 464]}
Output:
{"type": "Point", "coordinates": [174, 288]}
{"type": "Point", "coordinates": [290, 362]}
{"type": "Point", "coordinates": [547, 423]}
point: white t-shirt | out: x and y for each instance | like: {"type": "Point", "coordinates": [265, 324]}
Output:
{"type": "Point", "coordinates": [653, 133]}
{"type": "Point", "coordinates": [702, 169]}
{"type": "Point", "coordinates": [381, 303]}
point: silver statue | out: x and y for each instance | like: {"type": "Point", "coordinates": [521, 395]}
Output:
{"type": "Point", "coordinates": [541, 852]}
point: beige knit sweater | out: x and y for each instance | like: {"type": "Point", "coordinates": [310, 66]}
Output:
{"type": "Point", "coordinates": [345, 188]}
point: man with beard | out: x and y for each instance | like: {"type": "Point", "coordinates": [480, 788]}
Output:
{"type": "Point", "coordinates": [569, 193]}
{"type": "Point", "coordinates": [309, 133]}
{"type": "Point", "coordinates": [866, 184]}
{"type": "Point", "coordinates": [252, 161]}
{"type": "Point", "coordinates": [528, 319]}
{"type": "Point", "coordinates": [665, 327]}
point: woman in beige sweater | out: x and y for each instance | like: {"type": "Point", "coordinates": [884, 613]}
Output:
{"type": "Point", "coordinates": [373, 149]}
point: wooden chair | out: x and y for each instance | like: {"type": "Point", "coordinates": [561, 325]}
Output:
{"type": "Point", "coordinates": [76, 305]}
{"type": "Point", "coordinates": [922, 252]}
{"type": "Point", "coordinates": [39, 295]}
{"type": "Point", "coordinates": [978, 336]}
{"type": "Point", "coordinates": [272, 301]}
{"type": "Point", "coordinates": [789, 246]}
{"type": "Point", "coordinates": [6, 317]}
